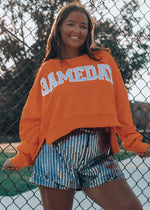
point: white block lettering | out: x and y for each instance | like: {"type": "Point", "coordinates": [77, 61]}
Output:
{"type": "Point", "coordinates": [44, 87]}
{"type": "Point", "coordinates": [102, 72]}
{"type": "Point", "coordinates": [90, 72]}
{"type": "Point", "coordinates": [62, 77]}
{"type": "Point", "coordinates": [110, 73]}
{"type": "Point", "coordinates": [52, 81]}
{"type": "Point", "coordinates": [78, 74]}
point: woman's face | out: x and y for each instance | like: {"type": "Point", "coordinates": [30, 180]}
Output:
{"type": "Point", "coordinates": [74, 30]}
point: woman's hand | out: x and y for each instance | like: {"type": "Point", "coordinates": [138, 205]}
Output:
{"type": "Point", "coordinates": [145, 154]}
{"type": "Point", "coordinates": [9, 166]}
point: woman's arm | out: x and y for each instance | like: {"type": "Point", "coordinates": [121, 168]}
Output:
{"type": "Point", "coordinates": [29, 130]}
{"type": "Point", "coordinates": [131, 139]}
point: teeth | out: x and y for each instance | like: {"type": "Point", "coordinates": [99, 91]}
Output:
{"type": "Point", "coordinates": [74, 37]}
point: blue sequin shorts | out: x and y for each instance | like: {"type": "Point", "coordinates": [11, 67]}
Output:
{"type": "Point", "coordinates": [81, 159]}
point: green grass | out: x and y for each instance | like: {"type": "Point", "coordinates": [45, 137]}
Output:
{"type": "Point", "coordinates": [122, 155]}
{"type": "Point", "coordinates": [12, 183]}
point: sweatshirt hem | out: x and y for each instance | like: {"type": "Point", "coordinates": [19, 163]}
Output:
{"type": "Point", "coordinates": [82, 121]}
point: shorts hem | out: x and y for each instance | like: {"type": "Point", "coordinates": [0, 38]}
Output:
{"type": "Point", "coordinates": [55, 184]}
{"type": "Point", "coordinates": [49, 183]}
{"type": "Point", "coordinates": [105, 181]}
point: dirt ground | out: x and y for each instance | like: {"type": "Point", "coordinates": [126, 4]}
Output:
{"type": "Point", "coordinates": [7, 147]}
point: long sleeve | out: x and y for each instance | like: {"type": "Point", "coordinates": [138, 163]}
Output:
{"type": "Point", "coordinates": [131, 139]}
{"type": "Point", "coordinates": [29, 128]}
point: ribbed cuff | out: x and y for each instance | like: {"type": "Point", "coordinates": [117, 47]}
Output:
{"type": "Point", "coordinates": [20, 163]}
{"type": "Point", "coordinates": [140, 147]}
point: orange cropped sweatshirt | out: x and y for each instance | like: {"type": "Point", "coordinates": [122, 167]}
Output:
{"type": "Point", "coordinates": [75, 93]}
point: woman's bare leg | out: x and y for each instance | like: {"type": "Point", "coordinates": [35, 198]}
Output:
{"type": "Point", "coordinates": [114, 195]}
{"type": "Point", "coordinates": [56, 199]}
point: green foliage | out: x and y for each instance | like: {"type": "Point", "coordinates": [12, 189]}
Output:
{"type": "Point", "coordinates": [17, 80]}
{"type": "Point", "coordinates": [128, 47]}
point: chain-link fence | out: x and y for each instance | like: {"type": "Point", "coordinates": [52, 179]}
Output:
{"type": "Point", "coordinates": [123, 26]}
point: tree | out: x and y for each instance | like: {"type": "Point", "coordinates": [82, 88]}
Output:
{"type": "Point", "coordinates": [25, 58]}
{"type": "Point", "coordinates": [25, 27]}
{"type": "Point", "coordinates": [128, 47]}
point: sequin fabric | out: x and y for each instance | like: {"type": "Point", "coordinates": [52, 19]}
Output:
{"type": "Point", "coordinates": [83, 158]}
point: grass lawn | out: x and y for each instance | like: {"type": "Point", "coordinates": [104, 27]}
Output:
{"type": "Point", "coordinates": [122, 155]}
{"type": "Point", "coordinates": [12, 183]}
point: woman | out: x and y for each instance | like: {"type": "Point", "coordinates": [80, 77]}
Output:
{"type": "Point", "coordinates": [68, 126]}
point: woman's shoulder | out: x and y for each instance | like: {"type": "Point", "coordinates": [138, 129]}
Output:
{"type": "Point", "coordinates": [101, 52]}
{"type": "Point", "coordinates": [46, 64]}
{"type": "Point", "coordinates": [42, 69]}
